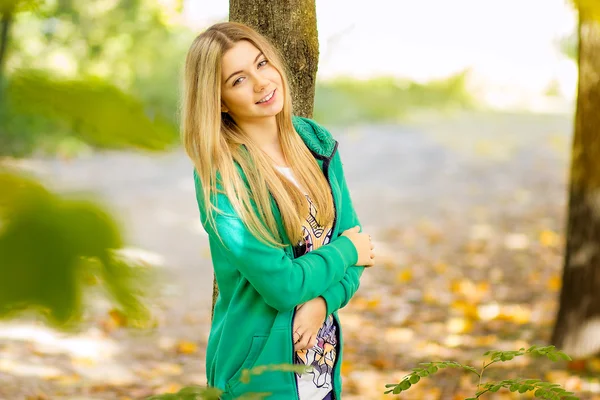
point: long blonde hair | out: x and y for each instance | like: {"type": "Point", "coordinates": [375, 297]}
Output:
{"type": "Point", "coordinates": [215, 143]}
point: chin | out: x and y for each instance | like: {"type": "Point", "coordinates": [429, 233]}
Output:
{"type": "Point", "coordinates": [274, 110]}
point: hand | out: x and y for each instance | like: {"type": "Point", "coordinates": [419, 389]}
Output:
{"type": "Point", "coordinates": [309, 318]}
{"type": "Point", "coordinates": [364, 247]}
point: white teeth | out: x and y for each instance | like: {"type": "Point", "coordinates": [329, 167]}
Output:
{"type": "Point", "coordinates": [268, 97]}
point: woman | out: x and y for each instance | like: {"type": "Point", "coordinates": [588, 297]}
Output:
{"type": "Point", "coordinates": [285, 241]}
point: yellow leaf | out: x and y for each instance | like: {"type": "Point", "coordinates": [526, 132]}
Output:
{"type": "Point", "coordinates": [459, 325]}
{"type": "Point", "coordinates": [170, 388]}
{"type": "Point", "coordinates": [185, 347]}
{"type": "Point", "coordinates": [118, 318]}
{"type": "Point", "coordinates": [486, 341]}
{"type": "Point", "coordinates": [404, 276]}
{"type": "Point", "coordinates": [554, 283]}
{"type": "Point", "coordinates": [462, 286]}
{"type": "Point", "coordinates": [515, 313]}
{"type": "Point", "coordinates": [483, 288]}
{"type": "Point", "coordinates": [429, 297]}
{"type": "Point", "coordinates": [549, 238]}
{"type": "Point", "coordinates": [594, 365]}
{"type": "Point", "coordinates": [83, 361]}
{"type": "Point", "coordinates": [440, 267]}
{"type": "Point", "coordinates": [373, 304]}
{"type": "Point", "coordinates": [347, 367]}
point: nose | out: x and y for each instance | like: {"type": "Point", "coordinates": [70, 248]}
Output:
{"type": "Point", "coordinates": [260, 85]}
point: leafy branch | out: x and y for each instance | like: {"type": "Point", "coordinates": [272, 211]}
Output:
{"type": "Point", "coordinates": [541, 389]}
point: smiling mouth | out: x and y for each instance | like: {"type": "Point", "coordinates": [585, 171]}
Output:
{"type": "Point", "coordinates": [267, 97]}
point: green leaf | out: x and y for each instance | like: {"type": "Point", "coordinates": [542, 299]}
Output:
{"type": "Point", "coordinates": [432, 369]}
{"type": "Point", "coordinates": [495, 388]}
{"type": "Point", "coordinates": [405, 385]}
{"type": "Point", "coordinates": [523, 388]}
{"type": "Point", "coordinates": [75, 240]}
{"type": "Point", "coordinates": [414, 379]}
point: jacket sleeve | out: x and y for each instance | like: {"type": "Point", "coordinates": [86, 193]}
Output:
{"type": "Point", "coordinates": [282, 282]}
{"type": "Point", "coordinates": [339, 293]}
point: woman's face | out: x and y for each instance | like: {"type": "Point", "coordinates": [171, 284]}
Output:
{"type": "Point", "coordinates": [251, 88]}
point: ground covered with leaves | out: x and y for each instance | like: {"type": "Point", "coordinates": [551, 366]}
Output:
{"type": "Point", "coordinates": [469, 228]}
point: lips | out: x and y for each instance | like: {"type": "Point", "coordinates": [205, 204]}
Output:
{"type": "Point", "coordinates": [267, 97]}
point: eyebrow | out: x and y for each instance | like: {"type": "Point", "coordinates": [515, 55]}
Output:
{"type": "Point", "coordinates": [239, 72]}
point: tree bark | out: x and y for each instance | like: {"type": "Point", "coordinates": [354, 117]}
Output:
{"type": "Point", "coordinates": [577, 328]}
{"type": "Point", "coordinates": [292, 28]}
{"type": "Point", "coordinates": [6, 18]}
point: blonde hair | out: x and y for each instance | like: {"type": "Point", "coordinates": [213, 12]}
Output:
{"type": "Point", "coordinates": [215, 143]}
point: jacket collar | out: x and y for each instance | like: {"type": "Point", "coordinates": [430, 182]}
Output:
{"type": "Point", "coordinates": [317, 139]}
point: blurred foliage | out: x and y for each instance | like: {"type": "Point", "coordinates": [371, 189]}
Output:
{"type": "Point", "coordinates": [106, 74]}
{"type": "Point", "coordinates": [91, 109]}
{"type": "Point", "coordinates": [568, 46]}
{"type": "Point", "coordinates": [51, 247]}
{"type": "Point", "coordinates": [386, 99]}
{"type": "Point", "coordinates": [13, 6]}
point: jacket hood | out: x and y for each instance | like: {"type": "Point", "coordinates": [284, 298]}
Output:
{"type": "Point", "coordinates": [316, 138]}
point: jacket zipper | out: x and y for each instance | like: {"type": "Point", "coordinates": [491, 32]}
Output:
{"type": "Point", "coordinates": [294, 358]}
{"type": "Point", "coordinates": [326, 162]}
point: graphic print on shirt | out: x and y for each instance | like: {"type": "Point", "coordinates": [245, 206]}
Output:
{"type": "Point", "coordinates": [312, 232]}
{"type": "Point", "coordinates": [321, 357]}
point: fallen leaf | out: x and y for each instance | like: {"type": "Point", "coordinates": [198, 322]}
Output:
{"type": "Point", "coordinates": [554, 283]}
{"type": "Point", "coordinates": [404, 276]}
{"type": "Point", "coordinates": [185, 347]}
{"type": "Point", "coordinates": [549, 238]}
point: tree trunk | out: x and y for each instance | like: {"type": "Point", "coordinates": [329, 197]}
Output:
{"type": "Point", "coordinates": [577, 328]}
{"type": "Point", "coordinates": [5, 23]}
{"type": "Point", "coordinates": [292, 28]}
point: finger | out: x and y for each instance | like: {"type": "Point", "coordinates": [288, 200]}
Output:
{"type": "Point", "coordinates": [302, 343]}
{"type": "Point", "coordinates": [372, 246]}
{"type": "Point", "coordinates": [296, 337]}
{"type": "Point", "coordinates": [312, 341]}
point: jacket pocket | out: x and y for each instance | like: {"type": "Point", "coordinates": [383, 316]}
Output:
{"type": "Point", "coordinates": [258, 343]}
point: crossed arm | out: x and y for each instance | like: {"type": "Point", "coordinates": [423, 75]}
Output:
{"type": "Point", "coordinates": [328, 272]}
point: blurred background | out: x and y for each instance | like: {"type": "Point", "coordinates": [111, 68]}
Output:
{"type": "Point", "coordinates": [455, 122]}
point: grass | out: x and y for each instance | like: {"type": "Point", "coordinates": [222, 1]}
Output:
{"type": "Point", "coordinates": [387, 99]}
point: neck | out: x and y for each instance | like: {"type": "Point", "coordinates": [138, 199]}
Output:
{"type": "Point", "coordinates": [265, 134]}
{"type": "Point", "coordinates": [262, 131]}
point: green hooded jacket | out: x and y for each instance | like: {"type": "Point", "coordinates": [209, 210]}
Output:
{"type": "Point", "coordinates": [260, 286]}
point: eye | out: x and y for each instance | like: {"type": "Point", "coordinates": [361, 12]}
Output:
{"type": "Point", "coordinates": [238, 80]}
{"type": "Point", "coordinates": [263, 63]}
